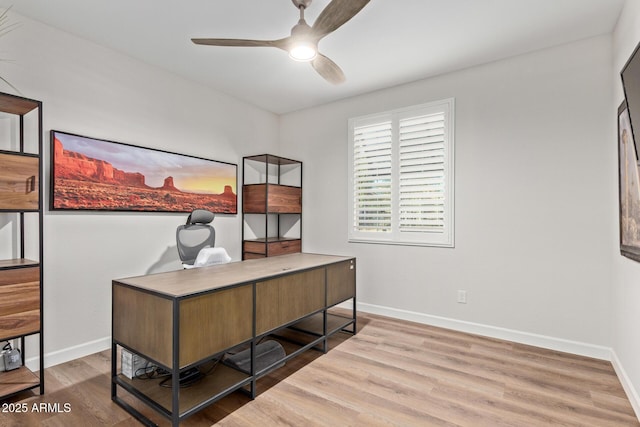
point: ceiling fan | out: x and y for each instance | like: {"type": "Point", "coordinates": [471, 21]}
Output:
{"type": "Point", "coordinates": [302, 44]}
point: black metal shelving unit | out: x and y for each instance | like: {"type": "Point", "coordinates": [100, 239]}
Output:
{"type": "Point", "coordinates": [21, 274]}
{"type": "Point", "coordinates": [271, 206]}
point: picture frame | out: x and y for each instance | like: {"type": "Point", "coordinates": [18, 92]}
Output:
{"type": "Point", "coordinates": [629, 187]}
{"type": "Point", "coordinates": [101, 175]}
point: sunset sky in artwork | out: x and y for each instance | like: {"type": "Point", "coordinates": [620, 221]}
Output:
{"type": "Point", "coordinates": [204, 184]}
{"type": "Point", "coordinates": [190, 174]}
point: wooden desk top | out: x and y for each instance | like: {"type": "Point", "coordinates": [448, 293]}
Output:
{"type": "Point", "coordinates": [181, 283]}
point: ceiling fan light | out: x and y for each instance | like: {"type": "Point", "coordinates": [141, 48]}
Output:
{"type": "Point", "coordinates": [303, 52]}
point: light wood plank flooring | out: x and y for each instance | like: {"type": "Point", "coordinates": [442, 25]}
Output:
{"type": "Point", "coordinates": [392, 373]}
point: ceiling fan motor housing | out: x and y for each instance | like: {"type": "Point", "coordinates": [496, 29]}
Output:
{"type": "Point", "coordinates": [301, 3]}
{"type": "Point", "coordinates": [302, 44]}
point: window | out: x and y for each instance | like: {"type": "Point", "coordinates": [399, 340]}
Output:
{"type": "Point", "coordinates": [401, 171]}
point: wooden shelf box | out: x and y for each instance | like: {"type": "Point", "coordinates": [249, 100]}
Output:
{"type": "Point", "coordinates": [271, 198]}
{"type": "Point", "coordinates": [19, 302]}
{"type": "Point", "coordinates": [19, 186]}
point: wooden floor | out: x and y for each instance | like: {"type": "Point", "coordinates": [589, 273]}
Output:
{"type": "Point", "coordinates": [392, 373]}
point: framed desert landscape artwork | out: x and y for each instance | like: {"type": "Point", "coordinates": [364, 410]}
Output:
{"type": "Point", "coordinates": [628, 187]}
{"type": "Point", "coordinates": [96, 174]}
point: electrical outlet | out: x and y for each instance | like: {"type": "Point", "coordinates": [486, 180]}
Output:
{"type": "Point", "coordinates": [462, 297]}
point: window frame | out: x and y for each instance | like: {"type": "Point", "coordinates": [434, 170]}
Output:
{"type": "Point", "coordinates": [443, 238]}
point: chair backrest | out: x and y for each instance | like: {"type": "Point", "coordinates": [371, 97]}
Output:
{"type": "Point", "coordinates": [195, 235]}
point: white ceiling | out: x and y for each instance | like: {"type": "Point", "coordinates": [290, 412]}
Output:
{"type": "Point", "coordinates": [389, 42]}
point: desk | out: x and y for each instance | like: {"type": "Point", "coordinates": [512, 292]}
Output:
{"type": "Point", "coordinates": [182, 319]}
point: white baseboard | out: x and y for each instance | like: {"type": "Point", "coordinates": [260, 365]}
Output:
{"type": "Point", "coordinates": [68, 354]}
{"type": "Point", "coordinates": [627, 385]}
{"type": "Point", "coordinates": [558, 344]}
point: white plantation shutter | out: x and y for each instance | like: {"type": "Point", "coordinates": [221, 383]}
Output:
{"type": "Point", "coordinates": [372, 177]}
{"type": "Point", "coordinates": [401, 169]}
{"type": "Point", "coordinates": [421, 193]}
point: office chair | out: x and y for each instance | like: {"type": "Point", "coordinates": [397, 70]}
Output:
{"type": "Point", "coordinates": [196, 239]}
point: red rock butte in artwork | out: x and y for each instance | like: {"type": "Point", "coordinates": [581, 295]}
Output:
{"type": "Point", "coordinates": [83, 182]}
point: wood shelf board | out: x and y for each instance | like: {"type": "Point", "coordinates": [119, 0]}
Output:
{"type": "Point", "coordinates": [271, 184]}
{"type": "Point", "coordinates": [220, 380]}
{"type": "Point", "coordinates": [263, 212]}
{"type": "Point", "coordinates": [273, 160]}
{"type": "Point", "coordinates": [17, 105]}
{"type": "Point", "coordinates": [17, 380]}
{"type": "Point", "coordinates": [19, 153]}
{"type": "Point", "coordinates": [6, 264]}
{"type": "Point", "coordinates": [273, 239]}
{"type": "Point", "coordinates": [19, 210]}
{"type": "Point", "coordinates": [314, 323]}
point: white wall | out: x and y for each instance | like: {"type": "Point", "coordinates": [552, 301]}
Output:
{"type": "Point", "coordinates": [90, 90]}
{"type": "Point", "coordinates": [626, 273]}
{"type": "Point", "coordinates": [534, 224]}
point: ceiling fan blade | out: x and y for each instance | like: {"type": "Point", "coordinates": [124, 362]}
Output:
{"type": "Point", "coordinates": [328, 69]}
{"type": "Point", "coordinates": [281, 43]}
{"type": "Point", "coordinates": [335, 14]}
